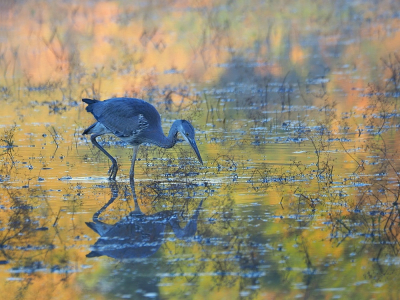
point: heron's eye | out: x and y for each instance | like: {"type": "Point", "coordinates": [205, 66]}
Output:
{"type": "Point", "coordinates": [187, 134]}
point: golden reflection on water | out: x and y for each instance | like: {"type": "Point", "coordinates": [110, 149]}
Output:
{"type": "Point", "coordinates": [295, 110]}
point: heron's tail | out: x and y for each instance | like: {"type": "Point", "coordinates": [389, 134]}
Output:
{"type": "Point", "coordinates": [90, 101]}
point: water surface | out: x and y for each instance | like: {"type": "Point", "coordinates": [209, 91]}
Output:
{"type": "Point", "coordinates": [295, 110]}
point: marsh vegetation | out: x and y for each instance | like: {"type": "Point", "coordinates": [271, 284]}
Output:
{"type": "Point", "coordinates": [295, 107]}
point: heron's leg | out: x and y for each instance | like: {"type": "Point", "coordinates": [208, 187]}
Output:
{"type": "Point", "coordinates": [137, 208]}
{"type": "Point", "coordinates": [114, 190]}
{"type": "Point", "coordinates": [114, 168]}
{"type": "Point", "coordinates": [131, 173]}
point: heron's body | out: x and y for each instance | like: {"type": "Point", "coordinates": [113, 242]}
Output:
{"type": "Point", "coordinates": [134, 121]}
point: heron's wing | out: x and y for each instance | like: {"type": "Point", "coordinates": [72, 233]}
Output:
{"type": "Point", "coordinates": [125, 117]}
{"type": "Point", "coordinates": [124, 126]}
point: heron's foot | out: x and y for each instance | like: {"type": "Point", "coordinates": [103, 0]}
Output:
{"type": "Point", "coordinates": [113, 171]}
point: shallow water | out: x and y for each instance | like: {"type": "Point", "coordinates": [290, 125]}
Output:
{"type": "Point", "coordinates": [295, 110]}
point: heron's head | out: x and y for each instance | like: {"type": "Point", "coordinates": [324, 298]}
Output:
{"type": "Point", "coordinates": [187, 131]}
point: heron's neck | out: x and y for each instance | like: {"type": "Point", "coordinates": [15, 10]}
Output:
{"type": "Point", "coordinates": [170, 140]}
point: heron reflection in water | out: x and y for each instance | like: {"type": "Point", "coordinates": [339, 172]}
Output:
{"type": "Point", "coordinates": [136, 122]}
{"type": "Point", "coordinates": [137, 235]}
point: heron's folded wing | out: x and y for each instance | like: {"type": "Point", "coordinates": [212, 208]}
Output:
{"type": "Point", "coordinates": [123, 118]}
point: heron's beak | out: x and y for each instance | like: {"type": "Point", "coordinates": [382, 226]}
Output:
{"type": "Point", "coordinates": [192, 143]}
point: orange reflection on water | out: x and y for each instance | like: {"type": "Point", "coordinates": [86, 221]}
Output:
{"type": "Point", "coordinates": [232, 57]}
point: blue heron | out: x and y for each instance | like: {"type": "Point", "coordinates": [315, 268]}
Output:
{"type": "Point", "coordinates": [136, 122]}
